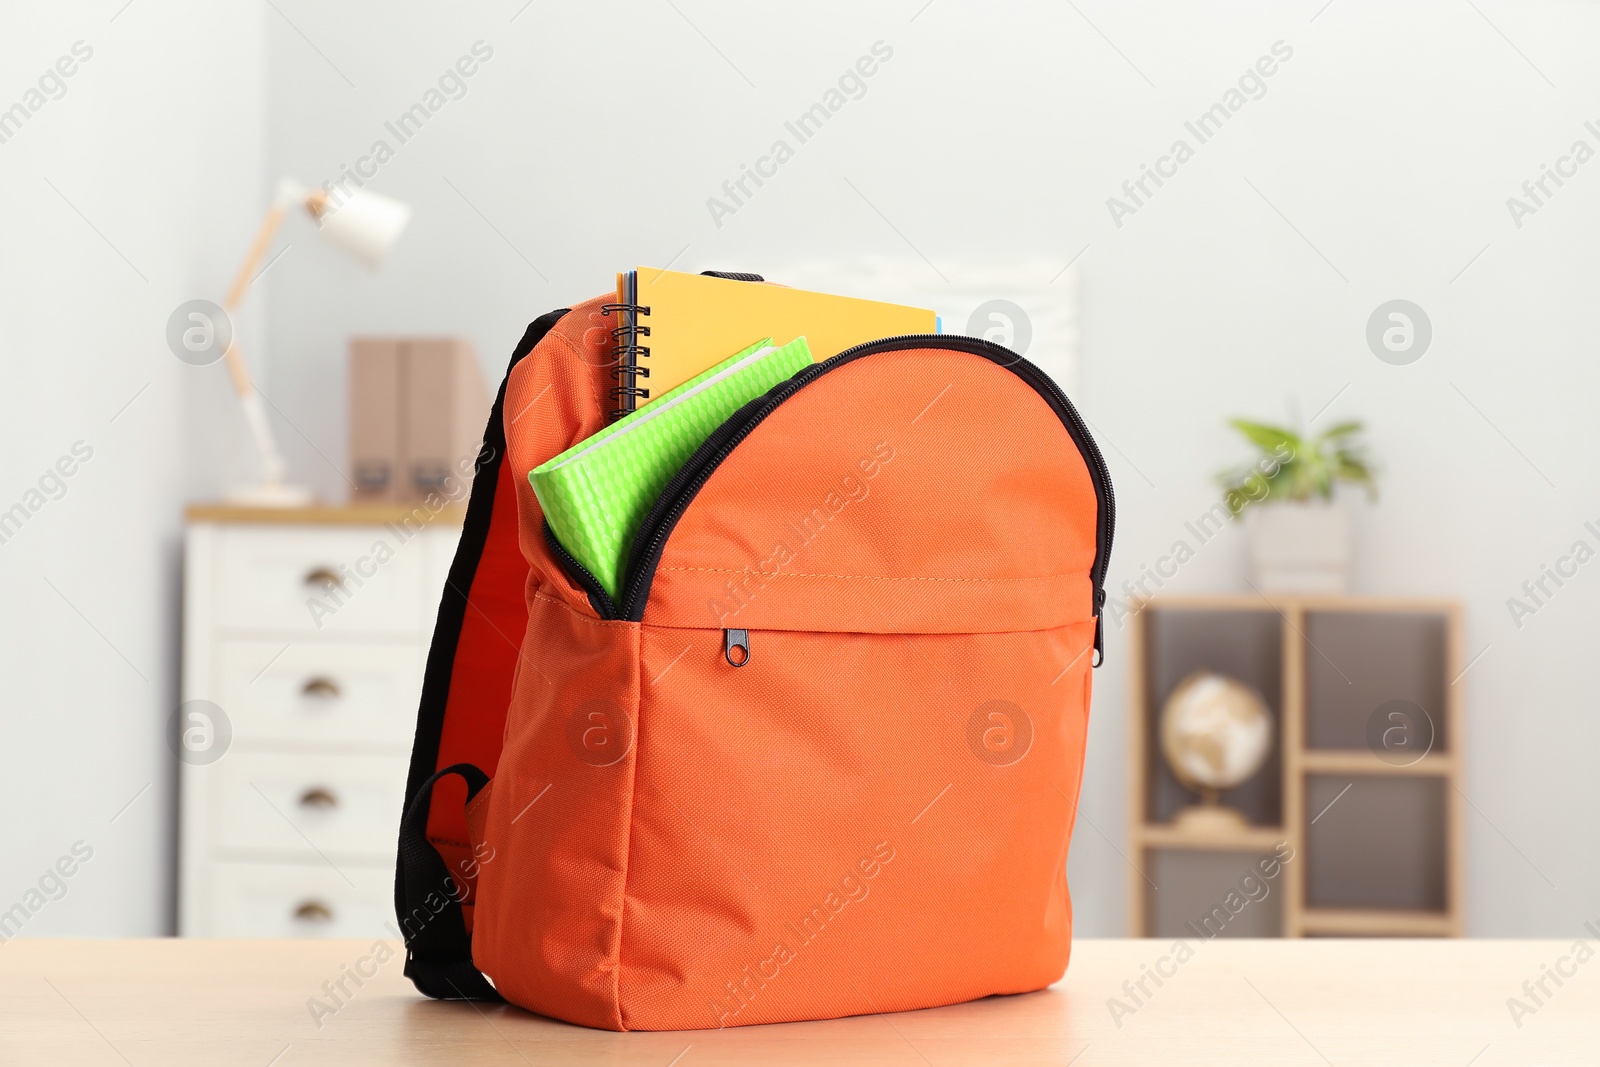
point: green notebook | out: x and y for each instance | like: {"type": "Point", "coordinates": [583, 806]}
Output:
{"type": "Point", "coordinates": [596, 494]}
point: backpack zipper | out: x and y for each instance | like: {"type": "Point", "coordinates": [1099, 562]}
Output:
{"type": "Point", "coordinates": [683, 487]}
{"type": "Point", "coordinates": [599, 599]}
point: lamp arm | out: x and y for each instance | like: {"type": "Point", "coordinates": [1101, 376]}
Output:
{"type": "Point", "coordinates": [258, 249]}
{"type": "Point", "coordinates": [273, 467]}
{"type": "Point", "coordinates": [237, 368]}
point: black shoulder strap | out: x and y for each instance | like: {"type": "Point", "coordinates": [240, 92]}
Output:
{"type": "Point", "coordinates": [438, 948]}
{"type": "Point", "coordinates": [733, 275]}
{"type": "Point", "coordinates": [469, 550]}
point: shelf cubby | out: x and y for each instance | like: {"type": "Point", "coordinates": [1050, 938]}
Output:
{"type": "Point", "coordinates": [1377, 841]}
{"type": "Point", "coordinates": [1242, 644]}
{"type": "Point", "coordinates": [1363, 783]}
{"type": "Point", "coordinates": [1189, 894]}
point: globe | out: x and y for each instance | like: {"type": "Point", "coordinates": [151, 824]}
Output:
{"type": "Point", "coordinates": [1215, 733]}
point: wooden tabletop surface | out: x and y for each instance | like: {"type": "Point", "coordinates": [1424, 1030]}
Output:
{"type": "Point", "coordinates": [1314, 1002]}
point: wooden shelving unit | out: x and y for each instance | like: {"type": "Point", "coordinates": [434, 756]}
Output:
{"type": "Point", "coordinates": [1377, 831]}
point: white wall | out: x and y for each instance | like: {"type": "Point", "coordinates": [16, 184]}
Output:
{"type": "Point", "coordinates": [592, 140]}
{"type": "Point", "coordinates": [1390, 139]}
{"type": "Point", "coordinates": [134, 191]}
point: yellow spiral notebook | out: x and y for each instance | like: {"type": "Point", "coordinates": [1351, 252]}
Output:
{"type": "Point", "coordinates": [675, 325]}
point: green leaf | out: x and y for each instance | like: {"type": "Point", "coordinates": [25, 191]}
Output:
{"type": "Point", "coordinates": [1270, 439]}
{"type": "Point", "coordinates": [1343, 429]}
{"type": "Point", "coordinates": [1353, 469]}
{"type": "Point", "coordinates": [1313, 470]}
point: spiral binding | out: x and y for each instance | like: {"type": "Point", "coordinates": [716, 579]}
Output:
{"type": "Point", "coordinates": [625, 347]}
{"type": "Point", "coordinates": [627, 352]}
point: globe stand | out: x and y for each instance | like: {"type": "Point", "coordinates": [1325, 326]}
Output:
{"type": "Point", "coordinates": [1209, 817]}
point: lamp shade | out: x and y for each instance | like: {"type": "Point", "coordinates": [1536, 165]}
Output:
{"type": "Point", "coordinates": [363, 225]}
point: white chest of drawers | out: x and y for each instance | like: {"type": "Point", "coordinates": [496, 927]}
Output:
{"type": "Point", "coordinates": [305, 635]}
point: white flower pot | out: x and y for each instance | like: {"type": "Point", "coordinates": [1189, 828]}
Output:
{"type": "Point", "coordinates": [1300, 548]}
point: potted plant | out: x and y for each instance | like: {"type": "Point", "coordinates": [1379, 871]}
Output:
{"type": "Point", "coordinates": [1300, 534]}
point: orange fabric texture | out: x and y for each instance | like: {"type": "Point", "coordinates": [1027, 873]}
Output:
{"type": "Point", "coordinates": [872, 813]}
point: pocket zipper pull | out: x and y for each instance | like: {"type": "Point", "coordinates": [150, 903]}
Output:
{"type": "Point", "coordinates": [736, 646]}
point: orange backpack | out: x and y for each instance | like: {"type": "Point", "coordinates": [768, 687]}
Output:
{"type": "Point", "coordinates": [822, 758]}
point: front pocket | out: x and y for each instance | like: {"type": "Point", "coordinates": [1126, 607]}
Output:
{"type": "Point", "coordinates": [849, 822]}
{"type": "Point", "coordinates": [1011, 423]}
{"type": "Point", "coordinates": [917, 486]}
{"type": "Point", "coordinates": [863, 402]}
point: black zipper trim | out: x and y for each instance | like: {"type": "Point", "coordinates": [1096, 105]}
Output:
{"type": "Point", "coordinates": [681, 490]}
{"type": "Point", "coordinates": [599, 599]}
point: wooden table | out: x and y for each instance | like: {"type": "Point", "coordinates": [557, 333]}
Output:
{"type": "Point", "coordinates": [1242, 1002]}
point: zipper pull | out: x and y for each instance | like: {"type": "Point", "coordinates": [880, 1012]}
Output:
{"type": "Point", "coordinates": [736, 646]}
{"type": "Point", "coordinates": [1099, 627]}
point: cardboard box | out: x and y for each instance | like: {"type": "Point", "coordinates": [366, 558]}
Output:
{"type": "Point", "coordinates": [418, 408]}
{"type": "Point", "coordinates": [374, 402]}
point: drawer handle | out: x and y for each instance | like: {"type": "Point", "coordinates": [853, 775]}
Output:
{"type": "Point", "coordinates": [321, 688]}
{"type": "Point", "coordinates": [313, 911]}
{"type": "Point", "coordinates": [318, 797]}
{"type": "Point", "coordinates": [326, 577]}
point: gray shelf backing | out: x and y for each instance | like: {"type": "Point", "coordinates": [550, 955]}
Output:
{"type": "Point", "coordinates": [1380, 845]}
{"type": "Point", "coordinates": [1357, 661]}
{"type": "Point", "coordinates": [1195, 884]}
{"type": "Point", "coordinates": [1246, 645]}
